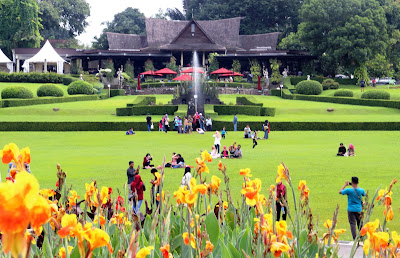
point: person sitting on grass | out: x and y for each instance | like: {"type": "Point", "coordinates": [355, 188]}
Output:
{"type": "Point", "coordinates": [342, 150]}
{"type": "Point", "coordinates": [130, 131]}
{"type": "Point", "coordinates": [232, 148]}
{"type": "Point", "coordinates": [350, 150]}
{"type": "Point", "coordinates": [238, 153]}
{"type": "Point", "coordinates": [200, 131]}
{"type": "Point", "coordinates": [180, 162]}
{"type": "Point", "coordinates": [146, 161]}
{"type": "Point", "coordinates": [214, 153]}
{"type": "Point", "coordinates": [247, 132]}
{"type": "Point", "coordinates": [225, 153]}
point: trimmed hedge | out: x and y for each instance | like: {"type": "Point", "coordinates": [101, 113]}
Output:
{"type": "Point", "coordinates": [351, 101]}
{"type": "Point", "coordinates": [343, 93]}
{"type": "Point", "coordinates": [46, 100]}
{"type": "Point", "coordinates": [286, 94]}
{"type": "Point", "coordinates": [209, 111]}
{"type": "Point", "coordinates": [295, 80]}
{"type": "Point", "coordinates": [376, 94]}
{"type": "Point", "coordinates": [115, 92]}
{"type": "Point", "coordinates": [16, 92]}
{"type": "Point", "coordinates": [233, 84]}
{"type": "Point", "coordinates": [127, 111]}
{"type": "Point", "coordinates": [145, 85]}
{"type": "Point", "coordinates": [80, 87]}
{"type": "Point", "coordinates": [330, 84]}
{"type": "Point", "coordinates": [309, 88]}
{"type": "Point", "coordinates": [154, 110]}
{"type": "Point", "coordinates": [141, 126]}
{"type": "Point", "coordinates": [248, 100]}
{"type": "Point", "coordinates": [182, 111]}
{"type": "Point", "coordinates": [49, 90]}
{"type": "Point", "coordinates": [69, 80]}
{"type": "Point", "coordinates": [233, 109]}
{"type": "Point", "coordinates": [264, 111]}
{"type": "Point", "coordinates": [142, 100]}
{"type": "Point", "coordinates": [31, 77]}
{"type": "Point", "coordinates": [275, 92]}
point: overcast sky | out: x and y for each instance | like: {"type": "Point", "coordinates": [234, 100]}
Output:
{"type": "Point", "coordinates": [104, 10]}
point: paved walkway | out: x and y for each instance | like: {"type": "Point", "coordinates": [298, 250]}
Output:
{"type": "Point", "coordinates": [345, 249]}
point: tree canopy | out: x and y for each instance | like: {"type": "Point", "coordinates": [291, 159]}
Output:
{"type": "Point", "coordinates": [130, 21]}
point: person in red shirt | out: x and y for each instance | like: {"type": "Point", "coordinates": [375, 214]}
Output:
{"type": "Point", "coordinates": [137, 187]}
{"type": "Point", "coordinates": [280, 201]}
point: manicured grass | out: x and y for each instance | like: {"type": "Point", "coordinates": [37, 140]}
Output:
{"type": "Point", "coordinates": [311, 156]}
{"type": "Point", "coordinates": [101, 110]}
{"type": "Point", "coordinates": [299, 110]}
{"type": "Point", "coordinates": [32, 86]}
{"type": "Point", "coordinates": [393, 90]}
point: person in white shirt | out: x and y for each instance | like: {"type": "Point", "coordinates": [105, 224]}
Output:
{"type": "Point", "coordinates": [208, 123]}
{"type": "Point", "coordinates": [214, 153]}
{"type": "Point", "coordinates": [187, 176]}
{"type": "Point", "coordinates": [217, 140]}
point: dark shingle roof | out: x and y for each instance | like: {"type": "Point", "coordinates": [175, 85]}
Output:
{"type": "Point", "coordinates": [224, 32]}
{"type": "Point", "coordinates": [125, 41]}
{"type": "Point", "coordinates": [259, 42]}
{"type": "Point", "coordinates": [161, 32]}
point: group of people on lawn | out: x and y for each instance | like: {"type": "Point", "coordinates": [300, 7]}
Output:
{"type": "Point", "coordinates": [346, 153]}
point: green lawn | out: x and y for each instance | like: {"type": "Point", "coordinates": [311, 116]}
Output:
{"type": "Point", "coordinates": [32, 86]}
{"type": "Point", "coordinates": [393, 90]}
{"type": "Point", "coordinates": [104, 156]}
{"type": "Point", "coordinates": [299, 110]}
{"type": "Point", "coordinates": [100, 110]}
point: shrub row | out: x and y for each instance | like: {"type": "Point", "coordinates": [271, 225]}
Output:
{"type": "Point", "coordinates": [143, 110]}
{"type": "Point", "coordinates": [145, 85]}
{"type": "Point", "coordinates": [209, 111]}
{"type": "Point", "coordinates": [343, 93]}
{"type": "Point", "coordinates": [295, 80]}
{"type": "Point", "coordinates": [142, 101]}
{"type": "Point", "coordinates": [351, 101]}
{"type": "Point", "coordinates": [376, 94]}
{"type": "Point", "coordinates": [248, 100]}
{"type": "Point", "coordinates": [309, 87]}
{"type": "Point", "coordinates": [49, 90]}
{"type": "Point", "coordinates": [244, 110]}
{"type": "Point", "coordinates": [46, 100]}
{"type": "Point", "coordinates": [68, 80]}
{"type": "Point", "coordinates": [16, 92]}
{"type": "Point", "coordinates": [330, 84]}
{"type": "Point", "coordinates": [31, 77]}
{"type": "Point", "coordinates": [233, 84]}
{"type": "Point", "coordinates": [80, 87]}
{"type": "Point", "coordinates": [141, 126]}
{"type": "Point", "coordinates": [117, 92]}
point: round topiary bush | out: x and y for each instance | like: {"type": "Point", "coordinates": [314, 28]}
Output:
{"type": "Point", "coordinates": [80, 87]}
{"type": "Point", "coordinates": [343, 93]}
{"type": "Point", "coordinates": [376, 94]}
{"type": "Point", "coordinates": [330, 84]}
{"type": "Point", "coordinates": [16, 92]}
{"type": "Point", "coordinates": [309, 87]}
{"type": "Point", "coordinates": [49, 90]}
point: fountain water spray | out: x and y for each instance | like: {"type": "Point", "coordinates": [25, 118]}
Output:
{"type": "Point", "coordinates": [196, 78]}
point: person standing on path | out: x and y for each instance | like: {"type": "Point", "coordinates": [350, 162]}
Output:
{"type": "Point", "coordinates": [217, 140]}
{"type": "Point", "coordinates": [149, 122]}
{"type": "Point", "coordinates": [362, 85]}
{"type": "Point", "coordinates": [202, 122]}
{"type": "Point", "coordinates": [235, 121]}
{"type": "Point", "coordinates": [354, 204]}
{"type": "Point", "coordinates": [266, 129]}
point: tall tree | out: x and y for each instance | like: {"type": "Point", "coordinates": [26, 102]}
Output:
{"type": "Point", "coordinates": [63, 19]}
{"type": "Point", "coordinates": [19, 24]}
{"type": "Point", "coordinates": [130, 21]}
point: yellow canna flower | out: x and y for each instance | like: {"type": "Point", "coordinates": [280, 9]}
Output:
{"type": "Point", "coordinates": [104, 195]}
{"type": "Point", "coordinates": [278, 248]}
{"type": "Point", "coordinates": [209, 247]}
{"type": "Point", "coordinates": [251, 191]}
{"type": "Point", "coordinates": [302, 184]}
{"type": "Point", "coordinates": [370, 227]}
{"type": "Point", "coordinates": [162, 194]}
{"type": "Point", "coordinates": [390, 213]}
{"type": "Point", "coordinates": [190, 199]}
{"type": "Point", "coordinates": [145, 251]}
{"type": "Point", "coordinates": [328, 223]}
{"type": "Point", "coordinates": [282, 174]}
{"type": "Point", "coordinates": [101, 218]}
{"type": "Point", "coordinates": [46, 193]}
{"type": "Point", "coordinates": [188, 241]}
{"type": "Point", "coordinates": [215, 182]}
{"type": "Point", "coordinates": [206, 156]}
{"type": "Point", "coordinates": [62, 253]}
{"type": "Point", "coordinates": [97, 238]}
{"type": "Point", "coordinates": [245, 172]}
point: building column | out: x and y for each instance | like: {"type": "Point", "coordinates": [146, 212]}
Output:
{"type": "Point", "coordinates": [204, 59]}
{"type": "Point", "coordinates": [182, 58]}
{"type": "Point", "coordinates": [18, 65]}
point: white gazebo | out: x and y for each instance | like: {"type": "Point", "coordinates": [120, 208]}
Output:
{"type": "Point", "coordinates": [5, 60]}
{"type": "Point", "coordinates": [45, 55]}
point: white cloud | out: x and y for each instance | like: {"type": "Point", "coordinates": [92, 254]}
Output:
{"type": "Point", "coordinates": [104, 10]}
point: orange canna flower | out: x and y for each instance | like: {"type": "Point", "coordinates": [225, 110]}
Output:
{"type": "Point", "coordinates": [162, 194]}
{"type": "Point", "coordinates": [97, 238]}
{"type": "Point", "coordinates": [145, 251]}
{"type": "Point", "coordinates": [158, 180]}
{"type": "Point", "coordinates": [220, 166]}
{"type": "Point", "coordinates": [165, 251]}
{"type": "Point", "coordinates": [40, 213]}
{"type": "Point", "coordinates": [91, 195]}
{"type": "Point", "coordinates": [46, 193]}
{"type": "Point", "coordinates": [337, 233]}
{"type": "Point", "coordinates": [282, 174]}
{"type": "Point", "coordinates": [104, 195]}
{"type": "Point", "coordinates": [209, 247]}
{"type": "Point", "coordinates": [245, 172]}
{"type": "Point", "coordinates": [328, 224]}
{"type": "Point", "coordinates": [72, 199]}
{"type": "Point", "coordinates": [206, 156]}
{"type": "Point", "coordinates": [99, 218]}
{"type": "Point", "coordinates": [370, 227]}
{"type": "Point", "coordinates": [302, 185]}
{"type": "Point", "coordinates": [251, 191]}
{"type": "Point", "coordinates": [383, 193]}
{"type": "Point", "coordinates": [215, 182]}
{"type": "Point", "coordinates": [62, 253]}
{"type": "Point", "coordinates": [201, 166]}
{"type": "Point", "coordinates": [387, 201]}
{"type": "Point", "coordinates": [278, 248]}
{"type": "Point", "coordinates": [9, 153]}
{"type": "Point", "coordinates": [390, 214]}
{"type": "Point", "coordinates": [188, 241]}
{"type": "Point", "coordinates": [190, 199]}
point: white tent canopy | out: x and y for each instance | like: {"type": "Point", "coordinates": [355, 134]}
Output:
{"type": "Point", "coordinates": [5, 60]}
{"type": "Point", "coordinates": [46, 55]}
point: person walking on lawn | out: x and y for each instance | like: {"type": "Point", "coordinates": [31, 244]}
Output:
{"type": "Point", "coordinates": [235, 121]}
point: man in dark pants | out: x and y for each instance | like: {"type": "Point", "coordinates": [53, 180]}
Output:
{"type": "Point", "coordinates": [354, 204]}
{"type": "Point", "coordinates": [342, 150]}
{"type": "Point", "coordinates": [131, 172]}
{"type": "Point", "coordinates": [148, 121]}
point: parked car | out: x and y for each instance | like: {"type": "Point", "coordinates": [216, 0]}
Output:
{"type": "Point", "coordinates": [341, 76]}
{"type": "Point", "coordinates": [385, 81]}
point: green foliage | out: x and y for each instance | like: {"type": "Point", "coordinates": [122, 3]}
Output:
{"type": "Point", "coordinates": [154, 110]}
{"type": "Point", "coordinates": [213, 63]}
{"type": "Point", "coordinates": [361, 73]}
{"type": "Point", "coordinates": [63, 19]}
{"type": "Point", "coordinates": [19, 25]}
{"type": "Point", "coordinates": [148, 65]}
{"type": "Point", "coordinates": [276, 76]}
{"type": "Point", "coordinates": [49, 90]}
{"type": "Point", "coordinates": [294, 80]}
{"type": "Point", "coordinates": [159, 84]}
{"type": "Point", "coordinates": [265, 111]}
{"type": "Point", "coordinates": [380, 67]}
{"type": "Point", "coordinates": [309, 87]}
{"type": "Point", "coordinates": [16, 92]}
{"type": "Point", "coordinates": [182, 111]}
{"type": "Point", "coordinates": [68, 80]}
{"type": "Point", "coordinates": [32, 77]}
{"type": "Point", "coordinates": [110, 65]}
{"type": "Point", "coordinates": [130, 21]}
{"type": "Point", "coordinates": [234, 109]}
{"type": "Point", "coordinates": [255, 67]}
{"type": "Point", "coordinates": [376, 94]}
{"type": "Point", "coordinates": [129, 69]}
{"type": "Point", "coordinates": [46, 100]}
{"type": "Point", "coordinates": [80, 87]}
{"type": "Point", "coordinates": [117, 92]}
{"type": "Point", "coordinates": [343, 93]}
{"type": "Point", "coordinates": [248, 100]}
{"type": "Point", "coordinates": [291, 42]}
{"type": "Point", "coordinates": [236, 67]}
{"type": "Point", "coordinates": [126, 111]}
{"type": "Point", "coordinates": [143, 100]}
{"type": "Point", "coordinates": [172, 64]}
{"type": "Point", "coordinates": [97, 87]}
{"type": "Point", "coordinates": [75, 67]}
{"type": "Point", "coordinates": [330, 84]}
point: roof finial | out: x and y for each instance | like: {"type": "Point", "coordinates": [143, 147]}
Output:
{"type": "Point", "coordinates": [192, 13]}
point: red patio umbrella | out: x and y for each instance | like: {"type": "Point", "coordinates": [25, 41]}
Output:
{"type": "Point", "coordinates": [192, 70]}
{"type": "Point", "coordinates": [222, 71]}
{"type": "Point", "coordinates": [150, 72]}
{"type": "Point", "coordinates": [230, 74]}
{"type": "Point", "coordinates": [183, 77]}
{"type": "Point", "coordinates": [165, 71]}
{"type": "Point", "coordinates": [138, 83]}
{"type": "Point", "coordinates": [259, 83]}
